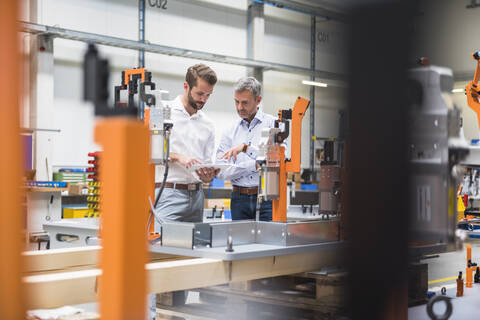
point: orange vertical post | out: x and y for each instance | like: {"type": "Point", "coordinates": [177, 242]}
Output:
{"type": "Point", "coordinates": [124, 176]}
{"type": "Point", "coordinates": [279, 206]}
{"type": "Point", "coordinates": [469, 270]}
{"type": "Point", "coordinates": [469, 253]}
{"type": "Point", "coordinates": [11, 295]}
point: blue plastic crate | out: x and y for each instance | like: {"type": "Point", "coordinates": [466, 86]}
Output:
{"type": "Point", "coordinates": [217, 183]}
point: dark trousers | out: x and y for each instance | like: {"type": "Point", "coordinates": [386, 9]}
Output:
{"type": "Point", "coordinates": [244, 206]}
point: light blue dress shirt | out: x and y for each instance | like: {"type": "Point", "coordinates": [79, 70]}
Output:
{"type": "Point", "coordinates": [244, 174]}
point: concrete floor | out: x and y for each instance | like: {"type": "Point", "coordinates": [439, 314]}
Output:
{"type": "Point", "coordinates": [442, 272]}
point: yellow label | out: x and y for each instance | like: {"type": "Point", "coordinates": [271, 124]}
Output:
{"type": "Point", "coordinates": [263, 184]}
{"type": "Point", "coordinates": [451, 203]}
{"type": "Point", "coordinates": [165, 146]}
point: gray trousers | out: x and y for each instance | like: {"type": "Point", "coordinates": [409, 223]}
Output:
{"type": "Point", "coordinates": [176, 205]}
{"type": "Point", "coordinates": [180, 205]}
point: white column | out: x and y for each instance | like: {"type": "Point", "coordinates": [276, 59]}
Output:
{"type": "Point", "coordinates": [256, 37]}
{"type": "Point", "coordinates": [41, 104]}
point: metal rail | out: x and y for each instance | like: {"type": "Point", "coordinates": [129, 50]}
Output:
{"type": "Point", "coordinates": [171, 51]}
{"type": "Point", "coordinates": [308, 9]}
{"type": "Point", "coordinates": [313, 40]}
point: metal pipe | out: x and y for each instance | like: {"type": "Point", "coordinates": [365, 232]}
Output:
{"type": "Point", "coordinates": [306, 9]}
{"type": "Point", "coordinates": [141, 38]}
{"type": "Point", "coordinates": [313, 31]}
{"type": "Point", "coordinates": [171, 51]}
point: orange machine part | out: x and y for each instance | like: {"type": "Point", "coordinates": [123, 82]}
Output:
{"type": "Point", "coordinates": [298, 112]}
{"type": "Point", "coordinates": [130, 72]}
{"type": "Point", "coordinates": [471, 90]}
{"type": "Point", "coordinates": [469, 253]}
{"type": "Point", "coordinates": [124, 175]}
{"type": "Point", "coordinates": [469, 270]}
{"type": "Point", "coordinates": [279, 206]}
{"type": "Point", "coordinates": [11, 295]}
{"type": "Point", "coordinates": [469, 281]}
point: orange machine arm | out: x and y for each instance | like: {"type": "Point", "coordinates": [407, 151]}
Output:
{"type": "Point", "coordinates": [298, 112]}
{"type": "Point", "coordinates": [279, 206]}
{"type": "Point", "coordinates": [128, 73]}
{"type": "Point", "coordinates": [472, 90]}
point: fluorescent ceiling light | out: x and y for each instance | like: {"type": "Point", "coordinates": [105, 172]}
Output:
{"type": "Point", "coordinates": [314, 83]}
{"type": "Point", "coordinates": [458, 90]}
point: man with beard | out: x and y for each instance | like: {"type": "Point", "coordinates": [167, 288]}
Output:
{"type": "Point", "coordinates": [240, 145]}
{"type": "Point", "coordinates": [191, 142]}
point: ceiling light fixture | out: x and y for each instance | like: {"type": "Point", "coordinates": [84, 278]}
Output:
{"type": "Point", "coordinates": [314, 83]}
{"type": "Point", "coordinates": [461, 90]}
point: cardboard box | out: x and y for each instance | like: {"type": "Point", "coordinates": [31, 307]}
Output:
{"type": "Point", "coordinates": [211, 203]}
{"type": "Point", "coordinates": [76, 189]}
{"type": "Point", "coordinates": [297, 177]}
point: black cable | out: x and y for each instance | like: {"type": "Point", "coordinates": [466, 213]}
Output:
{"type": "Point", "coordinates": [161, 188]}
{"type": "Point", "coordinates": [164, 175]}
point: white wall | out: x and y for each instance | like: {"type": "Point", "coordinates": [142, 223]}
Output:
{"type": "Point", "coordinates": [210, 25]}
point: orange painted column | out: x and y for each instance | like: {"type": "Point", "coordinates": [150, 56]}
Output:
{"type": "Point", "coordinates": [124, 176]}
{"type": "Point", "coordinates": [279, 206]}
{"type": "Point", "coordinates": [11, 294]}
{"type": "Point", "coordinates": [469, 270]}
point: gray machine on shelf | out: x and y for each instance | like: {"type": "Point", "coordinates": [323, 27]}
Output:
{"type": "Point", "coordinates": [435, 149]}
{"type": "Point", "coordinates": [329, 183]}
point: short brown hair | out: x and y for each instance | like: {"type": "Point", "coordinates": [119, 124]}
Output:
{"type": "Point", "coordinates": [200, 71]}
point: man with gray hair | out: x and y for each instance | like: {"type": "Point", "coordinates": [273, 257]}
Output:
{"type": "Point", "coordinates": [240, 145]}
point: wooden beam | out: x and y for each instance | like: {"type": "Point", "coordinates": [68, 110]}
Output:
{"type": "Point", "coordinates": [55, 290]}
{"type": "Point", "coordinates": [57, 259]}
{"type": "Point", "coordinates": [67, 258]}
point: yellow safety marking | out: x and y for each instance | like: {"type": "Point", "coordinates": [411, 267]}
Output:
{"type": "Point", "coordinates": [445, 279]}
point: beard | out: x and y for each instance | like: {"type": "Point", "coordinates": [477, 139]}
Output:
{"type": "Point", "coordinates": [197, 105]}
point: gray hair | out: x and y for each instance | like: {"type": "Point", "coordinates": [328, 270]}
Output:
{"type": "Point", "coordinates": [251, 84]}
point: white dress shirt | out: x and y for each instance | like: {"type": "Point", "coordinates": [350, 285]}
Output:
{"type": "Point", "coordinates": [193, 136]}
{"type": "Point", "coordinates": [245, 173]}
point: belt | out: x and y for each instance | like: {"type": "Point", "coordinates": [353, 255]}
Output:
{"type": "Point", "coordinates": [180, 186]}
{"type": "Point", "coordinates": [242, 190]}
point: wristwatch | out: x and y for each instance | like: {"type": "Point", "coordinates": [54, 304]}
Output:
{"type": "Point", "coordinates": [245, 147]}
